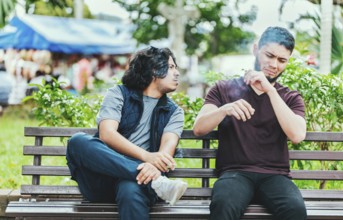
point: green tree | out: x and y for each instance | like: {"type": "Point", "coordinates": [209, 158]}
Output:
{"type": "Point", "coordinates": [61, 8]}
{"type": "Point", "coordinates": [336, 43]}
{"type": "Point", "coordinates": [218, 30]}
{"type": "Point", "coordinates": [307, 41]}
{"type": "Point", "coordinates": [6, 8]}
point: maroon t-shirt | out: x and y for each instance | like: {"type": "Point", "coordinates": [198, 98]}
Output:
{"type": "Point", "coordinates": [259, 144]}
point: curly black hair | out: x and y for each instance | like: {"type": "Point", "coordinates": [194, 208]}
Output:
{"type": "Point", "coordinates": [146, 65]}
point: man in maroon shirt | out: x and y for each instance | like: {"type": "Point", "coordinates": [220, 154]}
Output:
{"type": "Point", "coordinates": [255, 116]}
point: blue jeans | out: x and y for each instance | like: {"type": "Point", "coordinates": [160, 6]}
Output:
{"type": "Point", "coordinates": [104, 175]}
{"type": "Point", "coordinates": [234, 190]}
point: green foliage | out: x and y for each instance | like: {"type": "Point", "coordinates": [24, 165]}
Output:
{"type": "Point", "coordinates": [337, 51]}
{"type": "Point", "coordinates": [218, 30]}
{"type": "Point", "coordinates": [323, 95]}
{"type": "Point", "coordinates": [6, 8]}
{"type": "Point", "coordinates": [190, 106]}
{"type": "Point", "coordinates": [57, 107]}
{"type": "Point", "coordinates": [211, 77]}
{"type": "Point", "coordinates": [61, 8]}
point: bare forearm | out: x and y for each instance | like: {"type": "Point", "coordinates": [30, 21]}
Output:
{"type": "Point", "coordinates": [169, 142]}
{"type": "Point", "coordinates": [293, 125]}
{"type": "Point", "coordinates": [120, 144]}
{"type": "Point", "coordinates": [207, 121]}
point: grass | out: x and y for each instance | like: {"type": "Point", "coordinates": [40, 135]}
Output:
{"type": "Point", "coordinates": [12, 140]}
{"type": "Point", "coordinates": [12, 124]}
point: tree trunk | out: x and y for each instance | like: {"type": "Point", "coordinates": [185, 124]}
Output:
{"type": "Point", "coordinates": [325, 36]}
{"type": "Point", "coordinates": [78, 9]}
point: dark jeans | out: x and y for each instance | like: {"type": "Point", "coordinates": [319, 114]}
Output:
{"type": "Point", "coordinates": [104, 175]}
{"type": "Point", "coordinates": [233, 192]}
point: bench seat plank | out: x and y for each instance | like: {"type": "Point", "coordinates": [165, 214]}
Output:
{"type": "Point", "coordinates": [183, 208]}
{"type": "Point", "coordinates": [308, 194]}
{"type": "Point", "coordinates": [189, 173]}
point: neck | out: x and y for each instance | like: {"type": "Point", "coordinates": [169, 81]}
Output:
{"type": "Point", "coordinates": [152, 91]}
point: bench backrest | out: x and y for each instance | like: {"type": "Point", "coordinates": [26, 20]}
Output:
{"type": "Point", "coordinates": [205, 154]}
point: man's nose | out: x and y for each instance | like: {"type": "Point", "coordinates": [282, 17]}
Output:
{"type": "Point", "coordinates": [273, 63]}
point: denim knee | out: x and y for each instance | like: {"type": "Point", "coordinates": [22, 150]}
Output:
{"type": "Point", "coordinates": [71, 154]}
{"type": "Point", "coordinates": [133, 201]}
{"type": "Point", "coordinates": [231, 194]}
{"type": "Point", "coordinates": [294, 209]}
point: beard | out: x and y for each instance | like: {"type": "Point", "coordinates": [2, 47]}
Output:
{"type": "Point", "coordinates": [258, 68]}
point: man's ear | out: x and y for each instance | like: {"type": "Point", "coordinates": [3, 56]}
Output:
{"type": "Point", "coordinates": [255, 50]}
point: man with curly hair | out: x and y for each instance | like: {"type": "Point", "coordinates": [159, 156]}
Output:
{"type": "Point", "coordinates": [138, 130]}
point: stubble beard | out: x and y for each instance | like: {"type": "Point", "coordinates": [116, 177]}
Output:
{"type": "Point", "coordinates": [258, 68]}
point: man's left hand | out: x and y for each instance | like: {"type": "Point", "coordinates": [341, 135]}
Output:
{"type": "Point", "coordinates": [147, 173]}
{"type": "Point", "coordinates": [258, 80]}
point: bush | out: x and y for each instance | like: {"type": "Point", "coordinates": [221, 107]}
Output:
{"type": "Point", "coordinates": [58, 108]}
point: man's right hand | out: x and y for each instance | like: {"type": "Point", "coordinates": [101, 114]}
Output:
{"type": "Point", "coordinates": [148, 172]}
{"type": "Point", "coordinates": [161, 160]}
{"type": "Point", "coordinates": [239, 109]}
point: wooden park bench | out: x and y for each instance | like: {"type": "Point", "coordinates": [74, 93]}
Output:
{"type": "Point", "coordinates": [65, 202]}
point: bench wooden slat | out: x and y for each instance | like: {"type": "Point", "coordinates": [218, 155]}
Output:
{"type": "Point", "coordinates": [197, 153]}
{"type": "Point", "coordinates": [188, 173]}
{"type": "Point", "coordinates": [316, 155]}
{"type": "Point", "coordinates": [49, 190]}
{"type": "Point", "coordinates": [182, 209]}
{"type": "Point", "coordinates": [64, 171]}
{"type": "Point", "coordinates": [55, 132]}
{"type": "Point", "coordinates": [317, 174]}
{"type": "Point", "coordinates": [61, 151]}
{"type": "Point", "coordinates": [319, 194]}
{"type": "Point", "coordinates": [187, 134]}
{"type": "Point", "coordinates": [45, 150]}
{"type": "Point", "coordinates": [74, 190]}
{"type": "Point", "coordinates": [46, 170]}
{"type": "Point", "coordinates": [324, 136]}
{"type": "Point", "coordinates": [67, 132]}
{"type": "Point", "coordinates": [308, 194]}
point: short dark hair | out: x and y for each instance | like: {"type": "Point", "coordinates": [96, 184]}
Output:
{"type": "Point", "coordinates": [277, 35]}
{"type": "Point", "coordinates": [145, 65]}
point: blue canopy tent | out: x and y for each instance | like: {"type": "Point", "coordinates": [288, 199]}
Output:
{"type": "Point", "coordinates": [67, 35]}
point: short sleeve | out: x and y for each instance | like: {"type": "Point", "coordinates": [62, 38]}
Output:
{"type": "Point", "coordinates": [111, 106]}
{"type": "Point", "coordinates": [296, 104]}
{"type": "Point", "coordinates": [213, 96]}
{"type": "Point", "coordinates": [175, 124]}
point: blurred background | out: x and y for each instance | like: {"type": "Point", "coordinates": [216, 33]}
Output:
{"type": "Point", "coordinates": [58, 58]}
{"type": "Point", "coordinates": [85, 43]}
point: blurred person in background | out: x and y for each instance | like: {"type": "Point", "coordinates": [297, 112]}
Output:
{"type": "Point", "coordinates": [6, 86]}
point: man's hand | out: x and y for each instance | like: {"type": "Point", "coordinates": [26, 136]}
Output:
{"type": "Point", "coordinates": [258, 80]}
{"type": "Point", "coordinates": [239, 109]}
{"type": "Point", "coordinates": [161, 160]}
{"type": "Point", "coordinates": [147, 173]}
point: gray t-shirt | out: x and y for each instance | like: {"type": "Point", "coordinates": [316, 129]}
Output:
{"type": "Point", "coordinates": [111, 109]}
